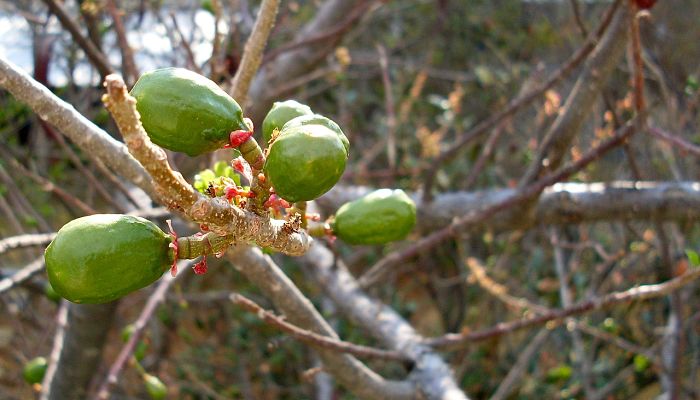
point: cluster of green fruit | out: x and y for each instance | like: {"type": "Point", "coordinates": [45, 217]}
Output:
{"type": "Point", "coordinates": [185, 112]}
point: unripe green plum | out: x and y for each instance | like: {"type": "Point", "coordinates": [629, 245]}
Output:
{"type": "Point", "coordinates": [305, 162]}
{"type": "Point", "coordinates": [280, 113]}
{"type": "Point", "coordinates": [186, 112]}
{"type": "Point", "coordinates": [380, 217]}
{"type": "Point", "coordinates": [102, 257]}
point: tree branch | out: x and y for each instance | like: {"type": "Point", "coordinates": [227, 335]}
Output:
{"type": "Point", "coordinates": [154, 300]}
{"type": "Point", "coordinates": [348, 371]}
{"type": "Point", "coordinates": [218, 214]}
{"type": "Point", "coordinates": [95, 142]}
{"type": "Point", "coordinates": [485, 214]}
{"type": "Point", "coordinates": [19, 241]}
{"type": "Point", "coordinates": [596, 72]}
{"type": "Point", "coordinates": [254, 47]}
{"type": "Point", "coordinates": [97, 58]}
{"type": "Point", "coordinates": [23, 274]}
{"type": "Point", "coordinates": [560, 204]}
{"type": "Point", "coordinates": [297, 62]}
{"type": "Point", "coordinates": [518, 103]}
{"type": "Point", "coordinates": [77, 349]}
{"type": "Point", "coordinates": [639, 293]}
{"type": "Point", "coordinates": [431, 374]}
{"type": "Point", "coordinates": [311, 338]}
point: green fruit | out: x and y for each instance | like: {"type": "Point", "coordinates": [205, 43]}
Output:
{"type": "Point", "coordinates": [305, 162]}
{"type": "Point", "coordinates": [155, 387]}
{"type": "Point", "coordinates": [141, 346]}
{"type": "Point", "coordinates": [34, 370]}
{"type": "Point", "coordinates": [380, 217]}
{"type": "Point", "coordinates": [186, 112]}
{"type": "Point", "coordinates": [280, 113]}
{"type": "Point", "coordinates": [318, 119]}
{"type": "Point", "coordinates": [51, 293]}
{"type": "Point", "coordinates": [100, 258]}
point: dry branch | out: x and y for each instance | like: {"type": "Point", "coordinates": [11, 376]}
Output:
{"type": "Point", "coordinates": [517, 201]}
{"type": "Point", "coordinates": [299, 61]}
{"type": "Point", "coordinates": [77, 349]}
{"type": "Point", "coordinates": [31, 239]}
{"type": "Point", "coordinates": [22, 275]}
{"type": "Point", "coordinates": [578, 105]}
{"type": "Point", "coordinates": [97, 58]}
{"type": "Point", "coordinates": [95, 142]}
{"type": "Point", "coordinates": [431, 374]}
{"type": "Point", "coordinates": [639, 293]}
{"type": "Point", "coordinates": [154, 300]}
{"type": "Point", "coordinates": [254, 47]}
{"type": "Point", "coordinates": [287, 298]}
{"type": "Point", "coordinates": [560, 204]}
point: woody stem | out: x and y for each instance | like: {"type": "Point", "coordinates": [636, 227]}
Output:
{"type": "Point", "coordinates": [190, 247]}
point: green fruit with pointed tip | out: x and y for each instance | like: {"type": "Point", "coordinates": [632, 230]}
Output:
{"type": "Point", "coordinates": [155, 387]}
{"type": "Point", "coordinates": [305, 162]}
{"type": "Point", "coordinates": [102, 257]}
{"type": "Point", "coordinates": [34, 370]}
{"type": "Point", "coordinates": [318, 119]}
{"type": "Point", "coordinates": [380, 217]}
{"type": "Point", "coordinates": [186, 112]}
{"type": "Point", "coordinates": [280, 113]}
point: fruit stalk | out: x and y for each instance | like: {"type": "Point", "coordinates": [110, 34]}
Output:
{"type": "Point", "coordinates": [253, 154]}
{"type": "Point", "coordinates": [191, 247]}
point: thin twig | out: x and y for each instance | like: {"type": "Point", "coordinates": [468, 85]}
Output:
{"type": "Point", "coordinates": [639, 293]}
{"type": "Point", "coordinates": [521, 364]}
{"type": "Point", "coordinates": [518, 103]}
{"type": "Point", "coordinates": [95, 142]}
{"type": "Point", "coordinates": [75, 160]}
{"type": "Point", "coordinates": [19, 241]}
{"type": "Point", "coordinates": [191, 61]}
{"type": "Point", "coordinates": [389, 107]}
{"type": "Point", "coordinates": [338, 30]}
{"type": "Point", "coordinates": [154, 300]}
{"type": "Point", "coordinates": [556, 143]}
{"type": "Point", "coordinates": [377, 272]}
{"type": "Point", "coordinates": [97, 58]}
{"type": "Point", "coordinates": [581, 362]}
{"type": "Point", "coordinates": [314, 339]}
{"type": "Point", "coordinates": [254, 47]}
{"type": "Point", "coordinates": [49, 186]}
{"type": "Point", "coordinates": [128, 62]}
{"type": "Point", "coordinates": [22, 275]}
{"type": "Point", "coordinates": [262, 271]}
{"type": "Point", "coordinates": [682, 144]}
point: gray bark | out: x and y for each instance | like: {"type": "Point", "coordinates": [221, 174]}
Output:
{"type": "Point", "coordinates": [77, 350]}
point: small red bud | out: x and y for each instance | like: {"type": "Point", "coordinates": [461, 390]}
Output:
{"type": "Point", "coordinates": [238, 165]}
{"type": "Point", "coordinates": [645, 4]}
{"type": "Point", "coordinates": [201, 267]}
{"type": "Point", "coordinates": [313, 217]}
{"type": "Point", "coordinates": [276, 202]}
{"type": "Point", "coordinates": [237, 138]}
